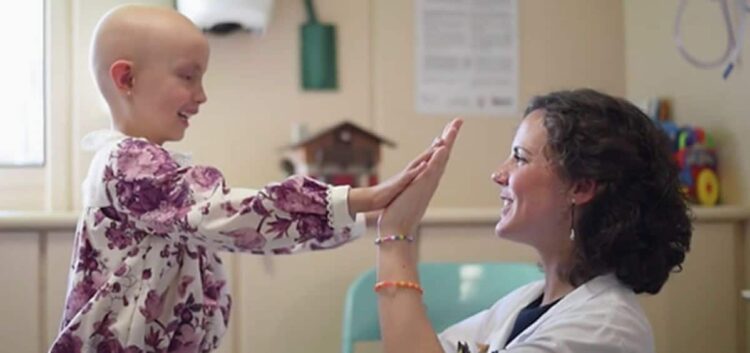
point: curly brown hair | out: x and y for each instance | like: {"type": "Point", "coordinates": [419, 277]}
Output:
{"type": "Point", "coordinates": [637, 226]}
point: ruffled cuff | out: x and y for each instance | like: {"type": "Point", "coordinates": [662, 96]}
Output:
{"type": "Point", "coordinates": [338, 212]}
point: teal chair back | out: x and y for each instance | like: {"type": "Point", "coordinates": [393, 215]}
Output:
{"type": "Point", "coordinates": [452, 292]}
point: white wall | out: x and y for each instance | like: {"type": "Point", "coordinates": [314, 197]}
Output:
{"type": "Point", "coordinates": [254, 94]}
{"type": "Point", "coordinates": [700, 97]}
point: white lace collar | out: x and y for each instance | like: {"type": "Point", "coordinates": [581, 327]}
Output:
{"type": "Point", "coordinates": [96, 140]}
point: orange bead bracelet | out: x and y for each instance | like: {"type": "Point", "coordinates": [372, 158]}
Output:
{"type": "Point", "coordinates": [399, 284]}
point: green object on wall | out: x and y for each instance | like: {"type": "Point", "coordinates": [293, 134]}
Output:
{"type": "Point", "coordinates": [318, 53]}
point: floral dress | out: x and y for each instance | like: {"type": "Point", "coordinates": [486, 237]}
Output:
{"type": "Point", "coordinates": [146, 275]}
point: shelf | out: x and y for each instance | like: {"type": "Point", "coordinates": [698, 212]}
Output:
{"type": "Point", "coordinates": [438, 216]}
{"type": "Point", "coordinates": [33, 220]}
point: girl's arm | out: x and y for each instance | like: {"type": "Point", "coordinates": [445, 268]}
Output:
{"type": "Point", "coordinates": [150, 192]}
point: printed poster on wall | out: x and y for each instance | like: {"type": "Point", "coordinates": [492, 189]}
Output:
{"type": "Point", "coordinates": [466, 57]}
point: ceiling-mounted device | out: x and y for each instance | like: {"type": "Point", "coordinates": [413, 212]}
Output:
{"type": "Point", "coordinates": [225, 16]}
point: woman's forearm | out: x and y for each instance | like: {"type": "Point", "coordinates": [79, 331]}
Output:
{"type": "Point", "coordinates": [404, 324]}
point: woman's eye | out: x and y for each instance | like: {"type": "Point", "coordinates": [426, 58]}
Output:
{"type": "Point", "coordinates": [519, 159]}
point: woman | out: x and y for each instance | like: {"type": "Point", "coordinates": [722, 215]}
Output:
{"type": "Point", "coordinates": [590, 184]}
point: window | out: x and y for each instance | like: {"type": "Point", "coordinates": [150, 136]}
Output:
{"type": "Point", "coordinates": [22, 93]}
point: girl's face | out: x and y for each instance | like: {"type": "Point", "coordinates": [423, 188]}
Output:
{"type": "Point", "coordinates": [169, 89]}
{"type": "Point", "coordinates": [535, 202]}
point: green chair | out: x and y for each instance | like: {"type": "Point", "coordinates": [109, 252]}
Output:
{"type": "Point", "coordinates": [452, 292]}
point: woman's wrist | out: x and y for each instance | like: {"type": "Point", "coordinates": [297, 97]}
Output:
{"type": "Point", "coordinates": [396, 254]}
{"type": "Point", "coordinates": [397, 262]}
{"type": "Point", "coordinates": [384, 231]}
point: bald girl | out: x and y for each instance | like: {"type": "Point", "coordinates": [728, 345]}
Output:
{"type": "Point", "coordinates": [146, 275]}
{"type": "Point", "coordinates": [148, 63]}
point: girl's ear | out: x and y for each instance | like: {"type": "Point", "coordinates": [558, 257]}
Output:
{"type": "Point", "coordinates": [121, 73]}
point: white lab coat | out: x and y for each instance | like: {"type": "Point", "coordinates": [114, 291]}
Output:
{"type": "Point", "coordinates": [601, 316]}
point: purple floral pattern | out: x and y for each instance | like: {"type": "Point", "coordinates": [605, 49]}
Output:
{"type": "Point", "coordinates": [146, 277]}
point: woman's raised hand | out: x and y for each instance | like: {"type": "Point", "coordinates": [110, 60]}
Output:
{"type": "Point", "coordinates": [404, 213]}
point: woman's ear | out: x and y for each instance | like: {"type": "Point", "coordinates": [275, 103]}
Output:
{"type": "Point", "coordinates": [121, 73]}
{"type": "Point", "coordinates": [583, 191]}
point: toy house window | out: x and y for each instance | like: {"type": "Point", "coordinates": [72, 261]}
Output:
{"type": "Point", "coordinates": [344, 136]}
{"type": "Point", "coordinates": [23, 97]}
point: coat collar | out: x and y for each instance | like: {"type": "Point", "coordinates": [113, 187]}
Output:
{"type": "Point", "coordinates": [577, 297]}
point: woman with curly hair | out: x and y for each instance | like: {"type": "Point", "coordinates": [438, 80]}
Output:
{"type": "Point", "coordinates": [590, 185]}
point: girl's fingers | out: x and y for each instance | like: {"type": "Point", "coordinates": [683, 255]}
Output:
{"type": "Point", "coordinates": [447, 138]}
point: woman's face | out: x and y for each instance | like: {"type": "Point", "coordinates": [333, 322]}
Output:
{"type": "Point", "coordinates": [535, 202]}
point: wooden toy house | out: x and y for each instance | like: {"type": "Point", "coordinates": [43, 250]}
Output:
{"type": "Point", "coordinates": [344, 154]}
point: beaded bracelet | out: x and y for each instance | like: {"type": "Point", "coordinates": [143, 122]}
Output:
{"type": "Point", "coordinates": [394, 237]}
{"type": "Point", "coordinates": [398, 284]}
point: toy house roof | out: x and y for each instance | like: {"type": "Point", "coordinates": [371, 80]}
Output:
{"type": "Point", "coordinates": [345, 124]}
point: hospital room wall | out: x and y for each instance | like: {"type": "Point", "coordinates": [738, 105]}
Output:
{"type": "Point", "coordinates": [700, 97]}
{"type": "Point", "coordinates": [253, 86]}
{"type": "Point", "coordinates": [566, 44]}
{"type": "Point", "coordinates": [253, 91]}
{"type": "Point", "coordinates": [254, 96]}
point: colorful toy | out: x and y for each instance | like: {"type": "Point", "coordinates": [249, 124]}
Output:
{"type": "Point", "coordinates": [695, 153]}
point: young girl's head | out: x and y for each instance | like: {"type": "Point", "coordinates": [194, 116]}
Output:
{"type": "Point", "coordinates": [149, 63]}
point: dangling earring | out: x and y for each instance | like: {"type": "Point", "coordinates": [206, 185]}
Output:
{"type": "Point", "coordinates": [572, 219]}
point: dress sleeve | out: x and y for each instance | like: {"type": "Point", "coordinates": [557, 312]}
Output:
{"type": "Point", "coordinates": [148, 190]}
